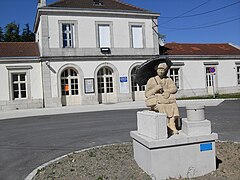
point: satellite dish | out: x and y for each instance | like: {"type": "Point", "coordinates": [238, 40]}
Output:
{"type": "Point", "coordinates": [161, 42]}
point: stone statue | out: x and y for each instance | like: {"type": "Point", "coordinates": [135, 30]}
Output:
{"type": "Point", "coordinates": [160, 93]}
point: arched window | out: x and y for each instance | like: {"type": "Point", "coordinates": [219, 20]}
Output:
{"type": "Point", "coordinates": [105, 80]}
{"type": "Point", "coordinates": [69, 82]}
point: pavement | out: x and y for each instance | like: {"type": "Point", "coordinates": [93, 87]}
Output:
{"type": "Point", "coordinates": [98, 107]}
{"type": "Point", "coordinates": [53, 136]}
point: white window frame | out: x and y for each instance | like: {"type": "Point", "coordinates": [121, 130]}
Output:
{"type": "Point", "coordinates": [132, 44]}
{"type": "Point", "coordinates": [173, 76]}
{"type": "Point", "coordinates": [69, 78]}
{"type": "Point", "coordinates": [214, 81]}
{"type": "Point", "coordinates": [178, 65]}
{"type": "Point", "coordinates": [238, 74]}
{"type": "Point", "coordinates": [105, 80]}
{"type": "Point", "coordinates": [19, 83]}
{"type": "Point", "coordinates": [19, 70]}
{"type": "Point", "coordinates": [98, 36]}
{"type": "Point", "coordinates": [74, 35]}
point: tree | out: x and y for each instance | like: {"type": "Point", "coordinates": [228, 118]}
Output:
{"type": "Point", "coordinates": [1, 35]}
{"type": "Point", "coordinates": [27, 34]}
{"type": "Point", "coordinates": [12, 33]}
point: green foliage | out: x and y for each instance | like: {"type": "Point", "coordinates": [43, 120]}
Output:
{"type": "Point", "coordinates": [11, 33]}
{"type": "Point", "coordinates": [1, 35]}
{"type": "Point", "coordinates": [217, 96]}
{"type": "Point", "coordinates": [27, 35]}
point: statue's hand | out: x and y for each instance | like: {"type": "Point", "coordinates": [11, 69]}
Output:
{"type": "Point", "coordinates": [166, 94]}
{"type": "Point", "coordinates": [156, 108]}
{"type": "Point", "coordinates": [158, 89]}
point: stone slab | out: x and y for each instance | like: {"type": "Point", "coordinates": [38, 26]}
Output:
{"type": "Point", "coordinates": [152, 124]}
{"type": "Point", "coordinates": [174, 140]}
{"type": "Point", "coordinates": [196, 128]}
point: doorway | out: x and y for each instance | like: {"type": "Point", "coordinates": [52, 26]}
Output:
{"type": "Point", "coordinates": [70, 87]}
{"type": "Point", "coordinates": [105, 82]}
{"type": "Point", "coordinates": [211, 80]}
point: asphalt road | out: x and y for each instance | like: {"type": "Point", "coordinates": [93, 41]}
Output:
{"type": "Point", "coordinates": [26, 143]}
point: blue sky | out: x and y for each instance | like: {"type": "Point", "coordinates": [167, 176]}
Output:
{"type": "Point", "coordinates": [189, 21]}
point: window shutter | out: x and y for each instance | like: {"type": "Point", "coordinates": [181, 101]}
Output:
{"type": "Point", "coordinates": [104, 36]}
{"type": "Point", "coordinates": [137, 37]}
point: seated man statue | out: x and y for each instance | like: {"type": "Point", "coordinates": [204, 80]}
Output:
{"type": "Point", "coordinates": [160, 93]}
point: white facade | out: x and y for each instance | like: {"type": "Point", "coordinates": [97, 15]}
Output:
{"type": "Point", "coordinates": [21, 93]}
{"type": "Point", "coordinates": [195, 81]}
{"type": "Point", "coordinates": [90, 57]}
{"type": "Point", "coordinates": [70, 41]}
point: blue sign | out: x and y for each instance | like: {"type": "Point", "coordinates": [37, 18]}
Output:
{"type": "Point", "coordinates": [206, 147]}
{"type": "Point", "coordinates": [212, 70]}
{"type": "Point", "coordinates": [123, 79]}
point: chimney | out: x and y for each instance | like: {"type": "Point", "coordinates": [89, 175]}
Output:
{"type": "Point", "coordinates": [41, 3]}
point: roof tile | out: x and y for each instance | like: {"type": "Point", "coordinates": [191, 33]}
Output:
{"type": "Point", "coordinates": [19, 49]}
{"type": "Point", "coordinates": [202, 49]}
{"type": "Point", "coordinates": [90, 4]}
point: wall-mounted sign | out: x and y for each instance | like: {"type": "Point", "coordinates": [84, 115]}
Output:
{"type": "Point", "coordinates": [124, 84]}
{"type": "Point", "coordinates": [212, 69]}
{"type": "Point", "coordinates": [123, 79]}
{"type": "Point", "coordinates": [206, 147]}
{"type": "Point", "coordinates": [89, 85]}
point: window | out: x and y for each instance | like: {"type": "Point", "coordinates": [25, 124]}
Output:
{"type": "Point", "coordinates": [19, 81]}
{"type": "Point", "coordinates": [104, 35]}
{"type": "Point", "coordinates": [174, 75]}
{"type": "Point", "coordinates": [136, 36]}
{"type": "Point", "coordinates": [105, 80]}
{"type": "Point", "coordinates": [238, 74]}
{"type": "Point", "coordinates": [69, 82]}
{"type": "Point", "coordinates": [19, 86]}
{"type": "Point", "coordinates": [67, 35]}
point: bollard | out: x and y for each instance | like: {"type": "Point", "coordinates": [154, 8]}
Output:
{"type": "Point", "coordinates": [195, 113]}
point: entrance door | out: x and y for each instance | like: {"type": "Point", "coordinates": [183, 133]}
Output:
{"type": "Point", "coordinates": [105, 85]}
{"type": "Point", "coordinates": [211, 80]}
{"type": "Point", "coordinates": [70, 87]}
{"type": "Point", "coordinates": [138, 92]}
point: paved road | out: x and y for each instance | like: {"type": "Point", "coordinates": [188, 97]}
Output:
{"type": "Point", "coordinates": [26, 143]}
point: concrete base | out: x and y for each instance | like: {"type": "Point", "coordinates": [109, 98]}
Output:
{"type": "Point", "coordinates": [196, 128]}
{"type": "Point", "coordinates": [178, 156]}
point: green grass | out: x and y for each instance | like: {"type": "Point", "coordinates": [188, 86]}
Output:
{"type": "Point", "coordinates": [217, 96]}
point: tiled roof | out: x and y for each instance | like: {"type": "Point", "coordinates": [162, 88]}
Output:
{"type": "Point", "coordinates": [201, 49]}
{"type": "Point", "coordinates": [103, 4]}
{"type": "Point", "coordinates": [19, 49]}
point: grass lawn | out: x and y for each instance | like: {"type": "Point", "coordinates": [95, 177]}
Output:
{"type": "Point", "coordinates": [217, 96]}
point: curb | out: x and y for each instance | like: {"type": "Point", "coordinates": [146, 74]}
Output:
{"type": "Point", "coordinates": [35, 171]}
{"type": "Point", "coordinates": [100, 107]}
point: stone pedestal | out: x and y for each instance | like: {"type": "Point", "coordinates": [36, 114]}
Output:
{"type": "Point", "coordinates": [178, 156]}
{"type": "Point", "coordinates": [188, 154]}
{"type": "Point", "coordinates": [195, 124]}
{"type": "Point", "coordinates": [196, 128]}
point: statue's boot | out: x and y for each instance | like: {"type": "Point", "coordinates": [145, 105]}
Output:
{"type": "Point", "coordinates": [172, 125]}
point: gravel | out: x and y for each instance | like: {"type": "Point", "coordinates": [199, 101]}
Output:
{"type": "Point", "coordinates": [117, 162]}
